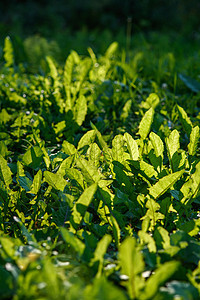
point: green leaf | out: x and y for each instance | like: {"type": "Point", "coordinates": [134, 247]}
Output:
{"type": "Point", "coordinates": [145, 124]}
{"type": "Point", "coordinates": [8, 52]}
{"type": "Point", "coordinates": [158, 149]}
{"type": "Point", "coordinates": [191, 187]}
{"type": "Point", "coordinates": [132, 265]}
{"type": "Point", "coordinates": [185, 120]}
{"type": "Point", "coordinates": [111, 50]}
{"type": "Point", "coordinates": [191, 83]}
{"type": "Point", "coordinates": [194, 138]}
{"type": "Point", "coordinates": [52, 67]}
{"type": "Point", "coordinates": [87, 139]}
{"type": "Point", "coordinates": [82, 203]}
{"type": "Point", "coordinates": [73, 241]}
{"type": "Point", "coordinates": [33, 157]}
{"type": "Point", "coordinates": [89, 171]}
{"type": "Point", "coordinates": [55, 180]}
{"type": "Point", "coordinates": [116, 230]}
{"type": "Point", "coordinates": [118, 152]}
{"type": "Point", "coordinates": [173, 145]}
{"type": "Point", "coordinates": [95, 154]}
{"type": "Point", "coordinates": [80, 110]}
{"type": "Point", "coordinates": [164, 184]}
{"type": "Point", "coordinates": [25, 183]}
{"type": "Point", "coordinates": [107, 151]}
{"type": "Point", "coordinates": [68, 148]}
{"type": "Point", "coordinates": [68, 70]}
{"type": "Point", "coordinates": [37, 180]}
{"type": "Point", "coordinates": [5, 172]}
{"type": "Point", "coordinates": [100, 252]}
{"type": "Point", "coordinates": [160, 277]}
{"type": "Point", "coordinates": [132, 146]}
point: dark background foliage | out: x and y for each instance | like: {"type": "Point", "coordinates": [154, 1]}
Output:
{"type": "Point", "coordinates": [48, 16]}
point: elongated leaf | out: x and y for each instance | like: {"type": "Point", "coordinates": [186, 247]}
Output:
{"type": "Point", "coordinates": [161, 275]}
{"type": "Point", "coordinates": [80, 110]}
{"type": "Point", "coordinates": [132, 264]}
{"type": "Point", "coordinates": [82, 203]}
{"type": "Point", "coordinates": [145, 124]}
{"type": "Point", "coordinates": [164, 184]}
{"type": "Point", "coordinates": [73, 241]}
{"type": "Point", "coordinates": [157, 144]}
{"type": "Point", "coordinates": [55, 180]}
{"type": "Point", "coordinates": [185, 120]}
{"type": "Point", "coordinates": [52, 67]}
{"type": "Point", "coordinates": [37, 180]}
{"type": "Point", "coordinates": [173, 146]}
{"type": "Point", "coordinates": [5, 172]}
{"type": "Point", "coordinates": [118, 152]}
{"type": "Point", "coordinates": [116, 230]}
{"type": "Point", "coordinates": [89, 171]}
{"type": "Point", "coordinates": [132, 146]}
{"type": "Point", "coordinates": [8, 52]}
{"type": "Point", "coordinates": [107, 151]}
{"type": "Point", "coordinates": [111, 49]}
{"type": "Point", "coordinates": [191, 187]}
{"type": "Point", "coordinates": [87, 139]}
{"type": "Point", "coordinates": [191, 83]}
{"type": "Point", "coordinates": [100, 252]}
{"type": "Point", "coordinates": [95, 154]}
{"type": "Point", "coordinates": [74, 174]}
{"type": "Point", "coordinates": [194, 138]}
{"type": "Point", "coordinates": [145, 169]}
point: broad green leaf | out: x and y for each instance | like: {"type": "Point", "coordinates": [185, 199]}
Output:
{"type": "Point", "coordinates": [80, 110]}
{"type": "Point", "coordinates": [74, 174]}
{"type": "Point", "coordinates": [146, 239]}
{"type": "Point", "coordinates": [3, 149]}
{"type": "Point", "coordinates": [8, 52]}
{"type": "Point", "coordinates": [153, 212]}
{"type": "Point", "coordinates": [191, 187]}
{"type": "Point", "coordinates": [37, 180]}
{"type": "Point", "coordinates": [132, 146]}
{"type": "Point", "coordinates": [185, 120]}
{"type": "Point", "coordinates": [5, 172]}
{"type": "Point", "coordinates": [157, 144]}
{"type": "Point", "coordinates": [194, 138]}
{"type": "Point", "coordinates": [73, 241]}
{"type": "Point", "coordinates": [164, 184]}
{"type": "Point", "coordinates": [99, 253]}
{"type": "Point", "coordinates": [87, 139]}
{"type": "Point", "coordinates": [89, 171]}
{"type": "Point", "coordinates": [33, 157]}
{"type": "Point", "coordinates": [156, 154]}
{"type": "Point", "coordinates": [25, 183]}
{"type": "Point", "coordinates": [82, 203]}
{"type": "Point", "coordinates": [4, 116]}
{"type": "Point", "coordinates": [68, 148]}
{"type": "Point", "coordinates": [132, 265]}
{"type": "Point", "coordinates": [94, 154]}
{"type": "Point", "coordinates": [144, 169]}
{"type": "Point", "coordinates": [145, 124]}
{"type": "Point", "coordinates": [103, 289]}
{"type": "Point", "coordinates": [160, 277]}
{"type": "Point", "coordinates": [173, 145]}
{"type": "Point", "coordinates": [151, 101]}
{"type": "Point", "coordinates": [161, 236]}
{"type": "Point", "coordinates": [55, 180]}
{"type": "Point", "coordinates": [118, 152]}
